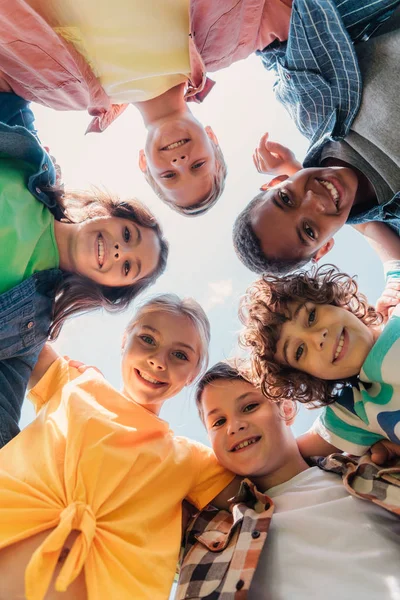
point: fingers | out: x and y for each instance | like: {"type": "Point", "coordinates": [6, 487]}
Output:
{"type": "Point", "coordinates": [379, 454]}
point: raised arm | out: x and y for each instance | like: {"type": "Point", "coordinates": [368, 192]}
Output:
{"type": "Point", "coordinates": [382, 238]}
{"type": "Point", "coordinates": [312, 444]}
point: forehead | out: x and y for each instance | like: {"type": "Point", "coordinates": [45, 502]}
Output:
{"type": "Point", "coordinates": [170, 327]}
{"type": "Point", "coordinates": [224, 394]}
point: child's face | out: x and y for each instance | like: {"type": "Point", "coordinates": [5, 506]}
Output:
{"type": "Point", "coordinates": [161, 355]}
{"type": "Point", "coordinates": [298, 217]}
{"type": "Point", "coordinates": [325, 341]}
{"type": "Point", "coordinates": [181, 159]}
{"type": "Point", "coordinates": [113, 251]}
{"type": "Point", "coordinates": [246, 431]}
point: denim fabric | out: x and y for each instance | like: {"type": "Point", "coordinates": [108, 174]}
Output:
{"type": "Point", "coordinates": [25, 318]}
{"type": "Point", "coordinates": [25, 310]}
{"type": "Point", "coordinates": [389, 213]}
{"type": "Point", "coordinates": [318, 79]}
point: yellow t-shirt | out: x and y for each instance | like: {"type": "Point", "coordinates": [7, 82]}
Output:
{"type": "Point", "coordinates": [95, 461]}
{"type": "Point", "coordinates": [139, 49]}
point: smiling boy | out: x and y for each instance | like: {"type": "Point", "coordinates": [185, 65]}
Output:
{"type": "Point", "coordinates": [316, 528]}
{"type": "Point", "coordinates": [353, 181]}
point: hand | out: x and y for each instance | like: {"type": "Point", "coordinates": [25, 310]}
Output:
{"type": "Point", "coordinates": [272, 158]}
{"type": "Point", "coordinates": [80, 366]}
{"type": "Point", "coordinates": [384, 451]}
{"type": "Point", "coordinates": [390, 299]}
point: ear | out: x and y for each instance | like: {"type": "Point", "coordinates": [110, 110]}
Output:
{"type": "Point", "coordinates": [288, 411]}
{"type": "Point", "coordinates": [142, 161]}
{"type": "Point", "coordinates": [324, 249]}
{"type": "Point", "coordinates": [211, 134]}
{"type": "Point", "coordinates": [275, 181]}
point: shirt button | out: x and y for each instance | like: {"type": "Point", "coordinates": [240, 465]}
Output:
{"type": "Point", "coordinates": [240, 584]}
{"type": "Point", "coordinates": [45, 167]}
{"type": "Point", "coordinates": [287, 76]}
{"type": "Point", "coordinates": [215, 544]}
{"type": "Point", "coordinates": [255, 534]}
{"type": "Point", "coordinates": [38, 190]}
{"type": "Point", "coordinates": [30, 324]}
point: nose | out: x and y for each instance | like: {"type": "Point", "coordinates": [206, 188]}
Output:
{"type": "Point", "coordinates": [234, 426]}
{"type": "Point", "coordinates": [120, 251]}
{"type": "Point", "coordinates": [157, 362]}
{"type": "Point", "coordinates": [179, 159]}
{"type": "Point", "coordinates": [319, 337]}
{"type": "Point", "coordinates": [316, 201]}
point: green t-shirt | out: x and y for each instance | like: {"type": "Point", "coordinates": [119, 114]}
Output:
{"type": "Point", "coordinates": [27, 241]}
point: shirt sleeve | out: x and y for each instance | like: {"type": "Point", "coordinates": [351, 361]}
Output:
{"type": "Point", "coordinates": [55, 378]}
{"type": "Point", "coordinates": [391, 269]}
{"type": "Point", "coordinates": [210, 477]}
{"type": "Point", "coordinates": [342, 428]}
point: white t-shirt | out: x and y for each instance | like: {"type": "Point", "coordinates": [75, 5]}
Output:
{"type": "Point", "coordinates": [325, 544]}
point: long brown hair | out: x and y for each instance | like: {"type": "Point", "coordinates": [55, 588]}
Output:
{"type": "Point", "coordinates": [78, 294]}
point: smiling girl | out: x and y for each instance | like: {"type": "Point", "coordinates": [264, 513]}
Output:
{"type": "Point", "coordinates": [91, 491]}
{"type": "Point", "coordinates": [315, 339]}
{"type": "Point", "coordinates": [61, 253]}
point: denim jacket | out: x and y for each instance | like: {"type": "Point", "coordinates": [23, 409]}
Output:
{"type": "Point", "coordinates": [388, 213]}
{"type": "Point", "coordinates": [318, 78]}
{"type": "Point", "coordinates": [25, 310]}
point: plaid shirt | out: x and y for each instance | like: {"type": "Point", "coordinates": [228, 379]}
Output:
{"type": "Point", "coordinates": [318, 79]}
{"type": "Point", "coordinates": [222, 549]}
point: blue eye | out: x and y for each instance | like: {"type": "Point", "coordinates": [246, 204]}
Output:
{"type": "Point", "coordinates": [250, 407]}
{"type": "Point", "coordinates": [127, 234]}
{"type": "Point", "coordinates": [147, 339]}
{"type": "Point", "coordinates": [299, 352]}
{"type": "Point", "coordinates": [180, 355]}
{"type": "Point", "coordinates": [167, 175]}
{"type": "Point", "coordinates": [199, 164]}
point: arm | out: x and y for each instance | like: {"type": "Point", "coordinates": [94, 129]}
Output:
{"type": "Point", "coordinates": [221, 500]}
{"type": "Point", "coordinates": [272, 158]}
{"type": "Point", "coordinates": [46, 358]}
{"type": "Point", "coordinates": [383, 451]}
{"type": "Point", "coordinates": [382, 239]}
{"type": "Point", "coordinates": [312, 444]}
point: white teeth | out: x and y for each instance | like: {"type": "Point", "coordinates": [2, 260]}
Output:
{"type": "Point", "coordinates": [331, 189]}
{"type": "Point", "coordinates": [100, 250]}
{"type": "Point", "coordinates": [244, 444]}
{"type": "Point", "coordinates": [340, 346]}
{"type": "Point", "coordinates": [175, 145]}
{"type": "Point", "coordinates": [147, 378]}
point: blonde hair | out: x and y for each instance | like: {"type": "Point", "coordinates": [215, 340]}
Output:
{"type": "Point", "coordinates": [187, 307]}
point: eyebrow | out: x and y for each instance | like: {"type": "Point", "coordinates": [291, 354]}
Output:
{"type": "Point", "coordinates": [286, 344]}
{"type": "Point", "coordinates": [238, 399]}
{"type": "Point", "coordinates": [154, 330]}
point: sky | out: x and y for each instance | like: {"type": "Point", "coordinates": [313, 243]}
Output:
{"type": "Point", "coordinates": [202, 262]}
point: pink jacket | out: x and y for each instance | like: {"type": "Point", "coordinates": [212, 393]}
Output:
{"type": "Point", "coordinates": [41, 66]}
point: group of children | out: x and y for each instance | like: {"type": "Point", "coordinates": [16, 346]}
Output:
{"type": "Point", "coordinates": [91, 491]}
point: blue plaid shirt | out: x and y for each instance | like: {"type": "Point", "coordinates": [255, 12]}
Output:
{"type": "Point", "coordinates": [318, 79]}
{"type": "Point", "coordinates": [388, 212]}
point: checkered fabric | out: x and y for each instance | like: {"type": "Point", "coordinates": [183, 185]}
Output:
{"type": "Point", "coordinates": [318, 79]}
{"type": "Point", "coordinates": [221, 549]}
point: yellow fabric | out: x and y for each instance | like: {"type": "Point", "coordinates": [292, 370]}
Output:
{"type": "Point", "coordinates": [138, 49]}
{"type": "Point", "coordinates": [94, 461]}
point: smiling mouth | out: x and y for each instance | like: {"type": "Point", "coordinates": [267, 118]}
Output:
{"type": "Point", "coordinates": [176, 144]}
{"type": "Point", "coordinates": [339, 347]}
{"type": "Point", "coordinates": [149, 379]}
{"type": "Point", "coordinates": [332, 189]}
{"type": "Point", "coordinates": [245, 444]}
{"type": "Point", "coordinates": [100, 250]}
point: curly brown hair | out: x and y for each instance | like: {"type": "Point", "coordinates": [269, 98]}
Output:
{"type": "Point", "coordinates": [264, 309]}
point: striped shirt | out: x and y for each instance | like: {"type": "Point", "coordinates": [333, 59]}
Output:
{"type": "Point", "coordinates": [318, 78]}
{"type": "Point", "coordinates": [370, 410]}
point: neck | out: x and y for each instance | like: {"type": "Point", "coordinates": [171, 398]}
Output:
{"type": "Point", "coordinates": [153, 408]}
{"type": "Point", "coordinates": [168, 104]}
{"type": "Point", "coordinates": [64, 234]}
{"type": "Point", "coordinates": [365, 190]}
{"type": "Point", "coordinates": [290, 467]}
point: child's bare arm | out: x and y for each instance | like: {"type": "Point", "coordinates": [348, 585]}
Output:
{"type": "Point", "coordinates": [312, 444]}
{"type": "Point", "coordinates": [383, 451]}
{"type": "Point", "coordinates": [272, 158]}
{"type": "Point", "coordinates": [221, 501]}
{"type": "Point", "coordinates": [382, 239]}
{"type": "Point", "coordinates": [46, 358]}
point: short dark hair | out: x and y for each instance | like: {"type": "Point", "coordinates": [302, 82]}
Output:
{"type": "Point", "coordinates": [232, 371]}
{"type": "Point", "coordinates": [248, 246]}
{"type": "Point", "coordinates": [204, 204]}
